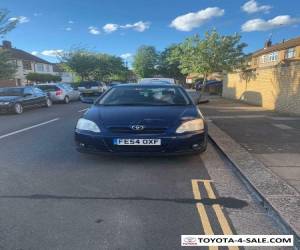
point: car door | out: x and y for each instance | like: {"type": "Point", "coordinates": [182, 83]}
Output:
{"type": "Point", "coordinates": [29, 99]}
{"type": "Point", "coordinates": [40, 97]}
{"type": "Point", "coordinates": [73, 93]}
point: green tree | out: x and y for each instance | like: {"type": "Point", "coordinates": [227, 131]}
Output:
{"type": "Point", "coordinates": [80, 61]}
{"type": "Point", "coordinates": [169, 64]}
{"type": "Point", "coordinates": [93, 66]}
{"type": "Point", "coordinates": [7, 67]}
{"type": "Point", "coordinates": [108, 67]}
{"type": "Point", "coordinates": [5, 24]}
{"type": "Point", "coordinates": [213, 53]}
{"type": "Point", "coordinates": [145, 61]}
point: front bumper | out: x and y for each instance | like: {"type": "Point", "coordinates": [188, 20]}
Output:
{"type": "Point", "coordinates": [6, 109]}
{"type": "Point", "coordinates": [88, 142]}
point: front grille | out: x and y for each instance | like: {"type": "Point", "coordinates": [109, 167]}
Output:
{"type": "Point", "coordinates": [128, 130]}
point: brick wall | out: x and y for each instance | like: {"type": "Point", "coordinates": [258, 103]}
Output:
{"type": "Point", "coordinates": [274, 87]}
{"type": "Point", "coordinates": [7, 83]}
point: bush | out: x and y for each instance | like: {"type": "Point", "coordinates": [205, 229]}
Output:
{"type": "Point", "coordinates": [37, 77]}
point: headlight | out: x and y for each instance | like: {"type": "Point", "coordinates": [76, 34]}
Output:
{"type": "Point", "coordinates": [4, 103]}
{"type": "Point", "coordinates": [84, 124]}
{"type": "Point", "coordinates": [190, 126]}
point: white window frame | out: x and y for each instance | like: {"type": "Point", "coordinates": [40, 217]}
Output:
{"type": "Point", "coordinates": [273, 57]}
{"type": "Point", "coordinates": [40, 67]}
{"type": "Point", "coordinates": [290, 53]}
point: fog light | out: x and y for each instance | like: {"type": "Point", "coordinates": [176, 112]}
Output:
{"type": "Point", "coordinates": [196, 146]}
{"type": "Point", "coordinates": [81, 144]}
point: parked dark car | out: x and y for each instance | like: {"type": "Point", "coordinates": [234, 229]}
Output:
{"type": "Point", "coordinates": [16, 99]}
{"type": "Point", "coordinates": [131, 119]}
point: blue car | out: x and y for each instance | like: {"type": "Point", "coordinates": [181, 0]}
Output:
{"type": "Point", "coordinates": [142, 119]}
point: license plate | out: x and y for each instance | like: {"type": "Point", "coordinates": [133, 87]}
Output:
{"type": "Point", "coordinates": [137, 142]}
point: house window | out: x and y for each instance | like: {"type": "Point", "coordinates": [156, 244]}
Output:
{"type": "Point", "coordinates": [47, 67]}
{"type": "Point", "coordinates": [39, 67]}
{"type": "Point", "coordinates": [263, 59]}
{"type": "Point", "coordinates": [26, 65]}
{"type": "Point", "coordinates": [290, 53]}
{"type": "Point", "coordinates": [273, 57]}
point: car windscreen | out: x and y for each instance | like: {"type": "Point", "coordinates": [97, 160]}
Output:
{"type": "Point", "coordinates": [145, 96]}
{"type": "Point", "coordinates": [47, 88]}
{"type": "Point", "coordinates": [11, 91]}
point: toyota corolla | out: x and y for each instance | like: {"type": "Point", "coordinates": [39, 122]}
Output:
{"type": "Point", "coordinates": [138, 119]}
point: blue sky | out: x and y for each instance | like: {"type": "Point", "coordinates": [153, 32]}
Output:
{"type": "Point", "coordinates": [119, 27]}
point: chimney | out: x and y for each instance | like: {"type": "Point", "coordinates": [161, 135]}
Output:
{"type": "Point", "coordinates": [268, 43]}
{"type": "Point", "coordinates": [6, 44]}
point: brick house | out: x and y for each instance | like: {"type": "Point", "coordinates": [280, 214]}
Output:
{"type": "Point", "coordinates": [272, 80]}
{"type": "Point", "coordinates": [271, 55]}
{"type": "Point", "coordinates": [25, 63]}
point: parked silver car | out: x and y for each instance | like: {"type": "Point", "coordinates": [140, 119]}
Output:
{"type": "Point", "coordinates": [91, 88]}
{"type": "Point", "coordinates": [60, 92]}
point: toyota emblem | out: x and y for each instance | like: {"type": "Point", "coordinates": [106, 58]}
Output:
{"type": "Point", "coordinates": [137, 127]}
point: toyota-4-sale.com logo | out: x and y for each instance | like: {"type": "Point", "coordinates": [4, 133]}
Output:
{"type": "Point", "coordinates": [237, 240]}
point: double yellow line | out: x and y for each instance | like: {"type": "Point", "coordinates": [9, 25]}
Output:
{"type": "Point", "coordinates": [207, 228]}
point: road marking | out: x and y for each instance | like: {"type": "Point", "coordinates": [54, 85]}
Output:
{"type": "Point", "coordinates": [28, 128]}
{"type": "Point", "coordinates": [82, 110]}
{"type": "Point", "coordinates": [284, 118]}
{"type": "Point", "coordinates": [219, 213]}
{"type": "Point", "coordinates": [234, 116]}
{"type": "Point", "coordinates": [202, 212]}
{"type": "Point", "coordinates": [282, 126]}
{"type": "Point", "coordinates": [217, 209]}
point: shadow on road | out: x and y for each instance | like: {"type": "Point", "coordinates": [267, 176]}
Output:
{"type": "Point", "coordinates": [227, 202]}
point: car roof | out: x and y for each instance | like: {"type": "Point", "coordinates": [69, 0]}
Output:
{"type": "Point", "coordinates": [163, 85]}
{"type": "Point", "coordinates": [156, 82]}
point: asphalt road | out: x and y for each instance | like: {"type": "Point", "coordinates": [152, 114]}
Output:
{"type": "Point", "coordinates": [52, 197]}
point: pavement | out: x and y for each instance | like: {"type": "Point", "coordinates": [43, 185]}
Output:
{"type": "Point", "coordinates": [265, 148]}
{"type": "Point", "coordinates": [272, 137]}
{"type": "Point", "coordinates": [52, 197]}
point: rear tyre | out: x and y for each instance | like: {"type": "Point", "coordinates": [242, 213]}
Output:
{"type": "Point", "coordinates": [18, 108]}
{"type": "Point", "coordinates": [66, 100]}
{"type": "Point", "coordinates": [48, 103]}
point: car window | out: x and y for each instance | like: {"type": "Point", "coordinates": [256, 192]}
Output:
{"type": "Point", "coordinates": [11, 91]}
{"type": "Point", "coordinates": [38, 91]}
{"type": "Point", "coordinates": [48, 88]}
{"type": "Point", "coordinates": [145, 96]}
{"type": "Point", "coordinates": [28, 91]}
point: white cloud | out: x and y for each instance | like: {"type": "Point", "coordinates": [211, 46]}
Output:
{"type": "Point", "coordinates": [20, 19]}
{"type": "Point", "coordinates": [52, 52]}
{"type": "Point", "coordinates": [193, 20]}
{"type": "Point", "coordinates": [126, 56]}
{"type": "Point", "coordinates": [252, 7]}
{"type": "Point", "coordinates": [94, 30]}
{"type": "Point", "coordinates": [70, 22]}
{"type": "Point", "coordinates": [110, 27]}
{"type": "Point", "coordinates": [35, 53]}
{"type": "Point", "coordinates": [37, 14]}
{"type": "Point", "coordinates": [68, 29]}
{"type": "Point", "coordinates": [262, 25]}
{"type": "Point", "coordinates": [138, 26]}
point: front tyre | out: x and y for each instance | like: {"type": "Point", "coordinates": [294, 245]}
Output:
{"type": "Point", "coordinates": [18, 108]}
